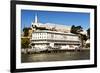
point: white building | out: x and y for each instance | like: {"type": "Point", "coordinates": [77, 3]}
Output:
{"type": "Point", "coordinates": [42, 39]}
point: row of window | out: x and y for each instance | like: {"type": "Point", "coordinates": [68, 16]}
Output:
{"type": "Point", "coordinates": [53, 36]}
{"type": "Point", "coordinates": [48, 34]}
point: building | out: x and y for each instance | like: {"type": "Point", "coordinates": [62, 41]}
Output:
{"type": "Point", "coordinates": [49, 26]}
{"type": "Point", "coordinates": [44, 37]}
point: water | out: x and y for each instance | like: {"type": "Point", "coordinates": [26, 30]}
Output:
{"type": "Point", "coordinates": [59, 56]}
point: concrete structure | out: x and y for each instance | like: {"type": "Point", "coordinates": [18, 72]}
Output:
{"type": "Point", "coordinates": [52, 37]}
{"type": "Point", "coordinates": [44, 38]}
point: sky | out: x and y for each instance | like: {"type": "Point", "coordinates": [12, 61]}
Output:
{"type": "Point", "coordinates": [63, 18]}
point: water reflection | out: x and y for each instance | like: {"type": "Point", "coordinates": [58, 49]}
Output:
{"type": "Point", "coordinates": [62, 56]}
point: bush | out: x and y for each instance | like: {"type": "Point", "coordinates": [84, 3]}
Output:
{"type": "Point", "coordinates": [87, 45]}
{"type": "Point", "coordinates": [25, 42]}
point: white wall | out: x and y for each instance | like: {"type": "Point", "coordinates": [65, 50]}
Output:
{"type": "Point", "coordinates": [5, 37]}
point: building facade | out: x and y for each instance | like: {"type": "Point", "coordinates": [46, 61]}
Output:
{"type": "Point", "coordinates": [52, 39]}
{"type": "Point", "coordinates": [43, 39]}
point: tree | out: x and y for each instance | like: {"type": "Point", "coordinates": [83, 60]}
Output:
{"type": "Point", "coordinates": [26, 31]}
{"type": "Point", "coordinates": [79, 29]}
{"type": "Point", "coordinates": [25, 42]}
{"type": "Point", "coordinates": [73, 29]}
{"type": "Point", "coordinates": [84, 37]}
{"type": "Point", "coordinates": [76, 29]}
{"type": "Point", "coordinates": [88, 33]}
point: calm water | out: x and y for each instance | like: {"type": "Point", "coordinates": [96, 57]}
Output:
{"type": "Point", "coordinates": [62, 56]}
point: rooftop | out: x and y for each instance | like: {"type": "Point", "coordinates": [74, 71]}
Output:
{"type": "Point", "coordinates": [55, 32]}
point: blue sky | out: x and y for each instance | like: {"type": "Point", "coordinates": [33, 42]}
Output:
{"type": "Point", "coordinates": [65, 18]}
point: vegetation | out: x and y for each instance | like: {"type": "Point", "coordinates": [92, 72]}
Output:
{"type": "Point", "coordinates": [77, 30]}
{"type": "Point", "coordinates": [87, 45]}
{"type": "Point", "coordinates": [26, 31]}
{"type": "Point", "coordinates": [84, 37]}
{"type": "Point", "coordinates": [25, 42]}
{"type": "Point", "coordinates": [88, 33]}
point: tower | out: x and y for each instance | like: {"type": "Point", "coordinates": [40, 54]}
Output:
{"type": "Point", "coordinates": [36, 19]}
{"type": "Point", "coordinates": [35, 23]}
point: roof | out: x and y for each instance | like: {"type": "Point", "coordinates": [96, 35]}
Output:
{"type": "Point", "coordinates": [57, 27]}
